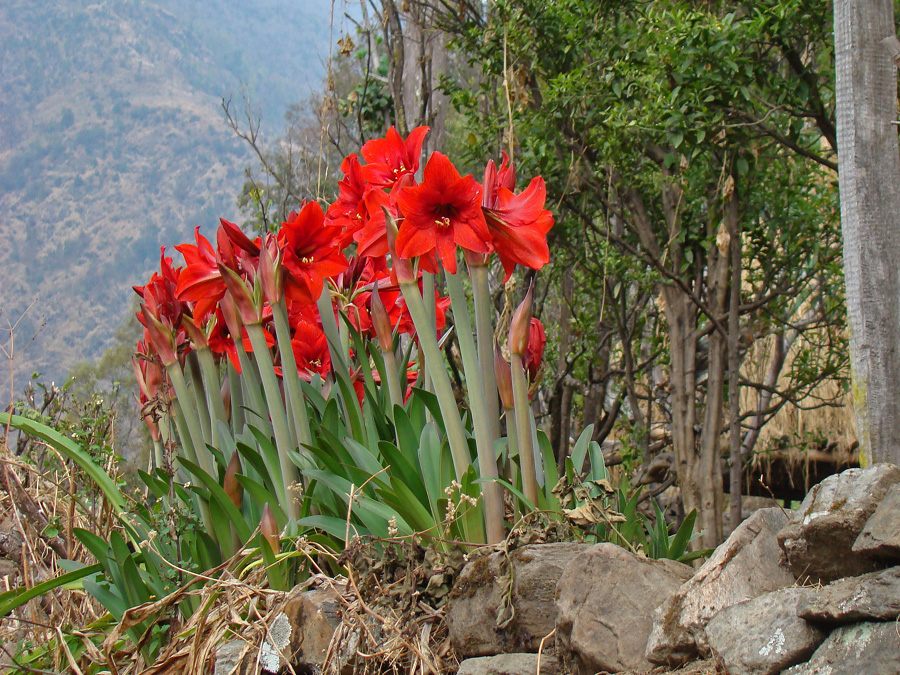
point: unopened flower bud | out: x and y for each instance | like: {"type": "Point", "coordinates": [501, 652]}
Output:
{"type": "Point", "coordinates": [231, 485]}
{"type": "Point", "coordinates": [225, 393]}
{"type": "Point", "coordinates": [534, 354]}
{"type": "Point", "coordinates": [504, 378]}
{"type": "Point", "coordinates": [268, 528]}
{"type": "Point", "coordinates": [520, 326]}
{"type": "Point", "coordinates": [194, 332]}
{"type": "Point", "coordinates": [241, 294]}
{"type": "Point", "coordinates": [380, 320]}
{"type": "Point", "coordinates": [270, 272]}
{"type": "Point", "coordinates": [232, 317]}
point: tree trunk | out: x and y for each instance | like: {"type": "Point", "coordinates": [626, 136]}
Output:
{"type": "Point", "coordinates": [681, 315]}
{"type": "Point", "coordinates": [418, 59]}
{"type": "Point", "coordinates": [732, 221]}
{"type": "Point", "coordinates": [869, 168]}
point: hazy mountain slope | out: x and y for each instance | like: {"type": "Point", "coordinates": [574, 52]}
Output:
{"type": "Point", "coordinates": [112, 143]}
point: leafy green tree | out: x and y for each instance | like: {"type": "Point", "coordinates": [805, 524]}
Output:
{"type": "Point", "coordinates": [696, 140]}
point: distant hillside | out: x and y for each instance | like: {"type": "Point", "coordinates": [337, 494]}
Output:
{"type": "Point", "coordinates": [113, 143]}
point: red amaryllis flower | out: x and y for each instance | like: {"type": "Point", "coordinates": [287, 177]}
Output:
{"type": "Point", "coordinates": [440, 213]}
{"type": "Point", "coordinates": [349, 211]}
{"type": "Point", "coordinates": [161, 311]}
{"type": "Point", "coordinates": [238, 238]}
{"type": "Point", "coordinates": [311, 253]}
{"type": "Point", "coordinates": [389, 158]}
{"type": "Point", "coordinates": [534, 352]}
{"type": "Point", "coordinates": [310, 350]}
{"type": "Point", "coordinates": [518, 222]}
{"type": "Point", "coordinates": [371, 239]}
{"type": "Point", "coordinates": [200, 282]}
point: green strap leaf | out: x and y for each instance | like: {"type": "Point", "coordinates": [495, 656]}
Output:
{"type": "Point", "coordinates": [17, 597]}
{"type": "Point", "coordinates": [68, 448]}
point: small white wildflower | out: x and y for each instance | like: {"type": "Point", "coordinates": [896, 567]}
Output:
{"type": "Point", "coordinates": [392, 527]}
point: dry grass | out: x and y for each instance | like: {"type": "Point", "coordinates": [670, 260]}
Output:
{"type": "Point", "coordinates": [835, 423]}
{"type": "Point", "coordinates": [32, 500]}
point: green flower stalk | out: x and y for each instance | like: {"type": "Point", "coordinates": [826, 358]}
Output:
{"type": "Point", "coordinates": [293, 391]}
{"type": "Point", "coordinates": [383, 332]}
{"type": "Point", "coordinates": [288, 470]}
{"type": "Point", "coordinates": [493, 499]}
{"type": "Point", "coordinates": [427, 335]}
{"type": "Point", "coordinates": [507, 398]}
{"type": "Point", "coordinates": [484, 331]}
{"type": "Point", "coordinates": [518, 343]}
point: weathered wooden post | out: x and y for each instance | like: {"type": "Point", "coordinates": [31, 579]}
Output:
{"type": "Point", "coordinates": [869, 170]}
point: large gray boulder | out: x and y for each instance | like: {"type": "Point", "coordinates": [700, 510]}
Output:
{"type": "Point", "coordinates": [763, 636]}
{"type": "Point", "coordinates": [748, 564]}
{"type": "Point", "coordinates": [506, 602]}
{"type": "Point", "coordinates": [870, 597]}
{"type": "Point", "coordinates": [818, 541]}
{"type": "Point", "coordinates": [858, 649]}
{"type": "Point", "coordinates": [510, 664]}
{"type": "Point", "coordinates": [880, 538]}
{"type": "Point", "coordinates": [605, 602]}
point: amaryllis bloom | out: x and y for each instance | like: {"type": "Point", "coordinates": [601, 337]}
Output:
{"type": "Point", "coordinates": [389, 158]}
{"type": "Point", "coordinates": [441, 213]}
{"type": "Point", "coordinates": [161, 311]}
{"type": "Point", "coordinates": [518, 222]}
{"type": "Point", "coordinates": [311, 253]}
{"type": "Point", "coordinates": [534, 351]}
{"type": "Point", "coordinates": [371, 237]}
{"type": "Point", "coordinates": [310, 350]}
{"type": "Point", "coordinates": [349, 211]}
{"type": "Point", "coordinates": [200, 281]}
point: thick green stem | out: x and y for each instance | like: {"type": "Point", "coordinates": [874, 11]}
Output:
{"type": "Point", "coordinates": [198, 391]}
{"type": "Point", "coordinates": [237, 399]}
{"type": "Point", "coordinates": [428, 284]}
{"type": "Point", "coordinates": [484, 330]}
{"type": "Point", "coordinates": [330, 328]}
{"type": "Point", "coordinates": [186, 404]}
{"type": "Point", "coordinates": [187, 448]}
{"type": "Point", "coordinates": [213, 389]}
{"type": "Point", "coordinates": [393, 377]}
{"type": "Point", "coordinates": [487, 464]}
{"type": "Point", "coordinates": [293, 390]}
{"type": "Point", "coordinates": [250, 381]}
{"type": "Point", "coordinates": [339, 364]}
{"type": "Point", "coordinates": [512, 443]}
{"type": "Point", "coordinates": [523, 424]}
{"type": "Point", "coordinates": [456, 434]}
{"type": "Point", "coordinates": [288, 471]}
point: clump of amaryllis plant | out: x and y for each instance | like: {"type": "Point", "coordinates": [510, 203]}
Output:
{"type": "Point", "coordinates": [330, 305]}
